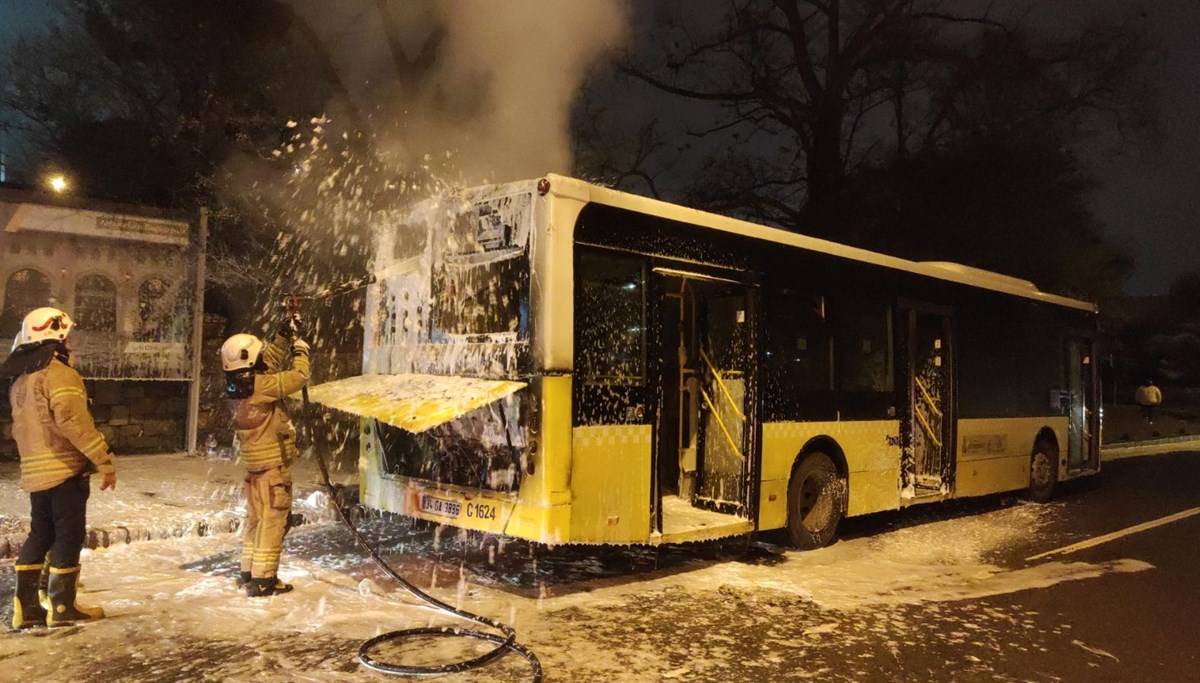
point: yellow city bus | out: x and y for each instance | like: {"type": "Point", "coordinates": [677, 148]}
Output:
{"type": "Point", "coordinates": [565, 363]}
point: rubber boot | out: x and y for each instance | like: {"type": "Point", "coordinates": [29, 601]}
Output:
{"type": "Point", "coordinates": [260, 588]}
{"type": "Point", "coordinates": [64, 611]}
{"type": "Point", "coordinates": [243, 580]}
{"type": "Point", "coordinates": [44, 584]}
{"type": "Point", "coordinates": [27, 611]}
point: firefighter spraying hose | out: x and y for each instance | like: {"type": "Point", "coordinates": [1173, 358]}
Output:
{"type": "Point", "coordinates": [503, 635]}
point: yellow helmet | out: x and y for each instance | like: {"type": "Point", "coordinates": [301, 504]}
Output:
{"type": "Point", "coordinates": [44, 323]}
{"type": "Point", "coordinates": [240, 352]}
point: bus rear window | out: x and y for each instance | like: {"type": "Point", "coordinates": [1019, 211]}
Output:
{"type": "Point", "coordinates": [480, 284]}
{"type": "Point", "coordinates": [488, 298]}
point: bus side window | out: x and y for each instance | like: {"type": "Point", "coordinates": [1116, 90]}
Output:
{"type": "Point", "coordinates": [610, 341]}
{"type": "Point", "coordinates": [796, 372]}
{"type": "Point", "coordinates": [862, 330]}
{"type": "Point", "coordinates": [796, 349]}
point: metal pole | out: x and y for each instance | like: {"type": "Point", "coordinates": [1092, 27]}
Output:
{"type": "Point", "coordinates": [193, 416]}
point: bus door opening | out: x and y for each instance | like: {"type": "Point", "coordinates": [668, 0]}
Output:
{"type": "Point", "coordinates": [705, 437]}
{"type": "Point", "coordinates": [927, 423]}
{"type": "Point", "coordinates": [1083, 425]}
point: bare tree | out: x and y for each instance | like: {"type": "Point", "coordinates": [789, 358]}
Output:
{"type": "Point", "coordinates": [811, 92]}
{"type": "Point", "coordinates": [608, 152]}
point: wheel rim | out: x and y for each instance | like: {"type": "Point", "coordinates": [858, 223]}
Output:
{"type": "Point", "coordinates": [816, 504]}
{"type": "Point", "coordinates": [1040, 471]}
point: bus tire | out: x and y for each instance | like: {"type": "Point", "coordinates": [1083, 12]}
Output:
{"type": "Point", "coordinates": [1043, 470]}
{"type": "Point", "coordinates": [816, 501]}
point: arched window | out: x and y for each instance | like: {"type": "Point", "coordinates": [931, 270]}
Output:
{"type": "Point", "coordinates": [154, 310]}
{"type": "Point", "coordinates": [95, 304]}
{"type": "Point", "coordinates": [25, 290]}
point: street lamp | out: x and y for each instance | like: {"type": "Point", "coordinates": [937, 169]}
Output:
{"type": "Point", "coordinates": [58, 183]}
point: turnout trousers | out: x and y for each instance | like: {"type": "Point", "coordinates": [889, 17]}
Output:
{"type": "Point", "coordinates": [58, 524]}
{"type": "Point", "coordinates": [268, 506]}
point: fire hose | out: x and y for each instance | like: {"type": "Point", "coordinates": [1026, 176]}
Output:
{"type": "Point", "coordinates": [503, 635]}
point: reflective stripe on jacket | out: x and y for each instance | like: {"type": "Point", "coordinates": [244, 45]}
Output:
{"type": "Point", "coordinates": [53, 428]}
{"type": "Point", "coordinates": [266, 436]}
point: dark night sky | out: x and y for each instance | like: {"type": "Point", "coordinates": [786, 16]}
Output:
{"type": "Point", "coordinates": [17, 16]}
{"type": "Point", "coordinates": [1149, 199]}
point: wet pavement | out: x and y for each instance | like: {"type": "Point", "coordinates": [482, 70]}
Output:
{"type": "Point", "coordinates": [936, 593]}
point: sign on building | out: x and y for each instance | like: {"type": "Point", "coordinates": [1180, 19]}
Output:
{"type": "Point", "coordinates": [127, 276]}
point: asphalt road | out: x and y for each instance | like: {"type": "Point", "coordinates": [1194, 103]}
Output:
{"type": "Point", "coordinates": [1137, 626]}
{"type": "Point", "coordinates": [672, 621]}
{"type": "Point", "coordinates": [1145, 621]}
{"type": "Point", "coordinates": [1117, 626]}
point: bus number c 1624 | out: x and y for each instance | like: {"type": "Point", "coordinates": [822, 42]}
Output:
{"type": "Point", "coordinates": [481, 511]}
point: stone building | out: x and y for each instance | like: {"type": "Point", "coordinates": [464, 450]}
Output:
{"type": "Point", "coordinates": [127, 276]}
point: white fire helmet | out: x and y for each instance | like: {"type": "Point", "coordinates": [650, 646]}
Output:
{"type": "Point", "coordinates": [240, 352]}
{"type": "Point", "coordinates": [44, 323]}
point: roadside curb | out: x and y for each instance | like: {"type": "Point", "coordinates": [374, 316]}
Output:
{"type": "Point", "coordinates": [221, 522]}
{"type": "Point", "coordinates": [210, 523]}
{"type": "Point", "coordinates": [1149, 447]}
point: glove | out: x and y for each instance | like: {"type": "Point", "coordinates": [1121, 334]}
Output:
{"type": "Point", "coordinates": [299, 346]}
{"type": "Point", "coordinates": [291, 328]}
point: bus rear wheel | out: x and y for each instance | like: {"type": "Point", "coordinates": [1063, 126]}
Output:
{"type": "Point", "coordinates": [1043, 470]}
{"type": "Point", "coordinates": [816, 501]}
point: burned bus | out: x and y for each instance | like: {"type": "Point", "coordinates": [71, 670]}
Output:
{"type": "Point", "coordinates": [565, 363]}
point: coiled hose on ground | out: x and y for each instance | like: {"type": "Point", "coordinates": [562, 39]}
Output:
{"type": "Point", "coordinates": [505, 636]}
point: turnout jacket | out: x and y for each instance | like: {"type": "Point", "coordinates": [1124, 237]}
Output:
{"type": "Point", "coordinates": [53, 428]}
{"type": "Point", "coordinates": [265, 433]}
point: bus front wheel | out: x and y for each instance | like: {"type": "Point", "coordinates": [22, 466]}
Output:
{"type": "Point", "coordinates": [816, 501]}
{"type": "Point", "coordinates": [1043, 470]}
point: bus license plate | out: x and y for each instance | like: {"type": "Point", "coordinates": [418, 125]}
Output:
{"type": "Point", "coordinates": [440, 506]}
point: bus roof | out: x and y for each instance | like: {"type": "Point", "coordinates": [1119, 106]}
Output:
{"type": "Point", "coordinates": [942, 270]}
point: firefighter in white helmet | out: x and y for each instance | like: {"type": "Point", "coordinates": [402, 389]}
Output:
{"type": "Point", "coordinates": [60, 448]}
{"type": "Point", "coordinates": [255, 380]}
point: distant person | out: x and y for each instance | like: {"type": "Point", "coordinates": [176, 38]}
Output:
{"type": "Point", "coordinates": [255, 380]}
{"type": "Point", "coordinates": [1148, 397]}
{"type": "Point", "coordinates": [60, 448]}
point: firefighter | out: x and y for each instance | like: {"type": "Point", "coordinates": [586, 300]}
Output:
{"type": "Point", "coordinates": [60, 448]}
{"type": "Point", "coordinates": [1148, 397]}
{"type": "Point", "coordinates": [257, 383]}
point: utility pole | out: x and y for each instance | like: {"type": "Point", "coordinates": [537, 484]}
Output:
{"type": "Point", "coordinates": [193, 415]}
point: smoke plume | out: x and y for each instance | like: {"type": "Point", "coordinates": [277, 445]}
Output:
{"type": "Point", "coordinates": [498, 92]}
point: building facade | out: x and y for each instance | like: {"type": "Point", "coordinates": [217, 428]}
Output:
{"type": "Point", "coordinates": [127, 275]}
